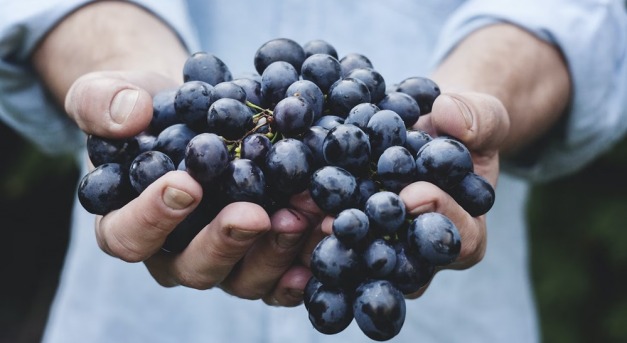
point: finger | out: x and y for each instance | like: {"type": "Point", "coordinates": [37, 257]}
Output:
{"type": "Point", "coordinates": [289, 289]}
{"type": "Point", "coordinates": [271, 256]}
{"type": "Point", "coordinates": [423, 197]}
{"type": "Point", "coordinates": [136, 231]}
{"type": "Point", "coordinates": [216, 249]}
{"type": "Point", "coordinates": [114, 104]}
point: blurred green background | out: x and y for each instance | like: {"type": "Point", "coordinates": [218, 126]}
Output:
{"type": "Point", "coordinates": [578, 241]}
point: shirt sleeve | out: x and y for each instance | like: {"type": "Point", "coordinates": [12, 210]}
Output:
{"type": "Point", "coordinates": [592, 35]}
{"type": "Point", "coordinates": [25, 105]}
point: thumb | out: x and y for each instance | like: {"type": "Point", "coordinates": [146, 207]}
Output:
{"type": "Point", "coordinates": [114, 104]}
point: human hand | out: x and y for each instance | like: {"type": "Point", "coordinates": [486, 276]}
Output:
{"type": "Point", "coordinates": [250, 256]}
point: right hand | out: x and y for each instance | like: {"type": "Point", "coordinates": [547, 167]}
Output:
{"type": "Point", "coordinates": [243, 251]}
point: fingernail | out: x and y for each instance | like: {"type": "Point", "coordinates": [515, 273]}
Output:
{"type": "Point", "coordinates": [243, 235]}
{"type": "Point", "coordinates": [122, 105]}
{"type": "Point", "coordinates": [288, 240]}
{"type": "Point", "coordinates": [176, 199]}
{"type": "Point", "coordinates": [464, 110]}
{"type": "Point", "coordinates": [295, 293]}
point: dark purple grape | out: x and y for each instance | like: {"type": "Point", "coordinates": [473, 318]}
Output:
{"type": "Point", "coordinates": [173, 141]}
{"type": "Point", "coordinates": [411, 272]}
{"type": "Point", "coordinates": [351, 227]}
{"type": "Point", "coordinates": [252, 88]}
{"type": "Point", "coordinates": [373, 80]}
{"type": "Point", "coordinates": [243, 180]}
{"type": "Point", "coordinates": [336, 265]}
{"type": "Point", "coordinates": [279, 49]}
{"type": "Point", "coordinates": [227, 89]}
{"type": "Point", "coordinates": [360, 115]}
{"type": "Point", "coordinates": [386, 212]}
{"type": "Point", "coordinates": [288, 166]}
{"type": "Point", "coordinates": [345, 94]}
{"type": "Point", "coordinates": [309, 92]}
{"type": "Point", "coordinates": [191, 102]}
{"type": "Point", "coordinates": [474, 194]}
{"type": "Point", "coordinates": [435, 238]}
{"type": "Point", "coordinates": [202, 66]}
{"type": "Point", "coordinates": [379, 309]}
{"type": "Point", "coordinates": [333, 189]}
{"type": "Point", "coordinates": [443, 162]}
{"type": "Point", "coordinates": [353, 61]}
{"type": "Point", "coordinates": [163, 111]}
{"type": "Point", "coordinates": [321, 69]}
{"type": "Point", "coordinates": [330, 310]}
{"type": "Point", "coordinates": [385, 129]}
{"type": "Point", "coordinates": [147, 167]}
{"type": "Point", "coordinates": [403, 104]}
{"type": "Point", "coordinates": [255, 147]}
{"type": "Point", "coordinates": [422, 89]}
{"type": "Point", "coordinates": [109, 150]}
{"type": "Point", "coordinates": [275, 81]}
{"type": "Point", "coordinates": [329, 121]}
{"type": "Point", "coordinates": [396, 168]}
{"type": "Point", "coordinates": [206, 157]}
{"type": "Point", "coordinates": [292, 116]}
{"type": "Point", "coordinates": [145, 141]}
{"type": "Point", "coordinates": [310, 288]}
{"type": "Point", "coordinates": [229, 118]}
{"type": "Point", "coordinates": [415, 140]}
{"type": "Point", "coordinates": [319, 46]}
{"type": "Point", "coordinates": [185, 231]}
{"type": "Point", "coordinates": [366, 187]}
{"type": "Point", "coordinates": [380, 258]}
{"type": "Point", "coordinates": [313, 138]}
{"type": "Point", "coordinates": [105, 188]}
{"type": "Point", "coordinates": [347, 146]}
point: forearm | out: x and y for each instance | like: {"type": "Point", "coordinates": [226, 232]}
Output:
{"type": "Point", "coordinates": [107, 36]}
{"type": "Point", "coordinates": [527, 75]}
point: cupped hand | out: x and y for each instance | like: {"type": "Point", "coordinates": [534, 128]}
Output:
{"type": "Point", "coordinates": [243, 250]}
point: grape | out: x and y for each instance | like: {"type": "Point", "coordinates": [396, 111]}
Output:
{"type": "Point", "coordinates": [252, 88]}
{"type": "Point", "coordinates": [191, 102]}
{"type": "Point", "coordinates": [229, 118]}
{"type": "Point", "coordinates": [275, 81]}
{"type": "Point", "coordinates": [105, 188]}
{"type": "Point", "coordinates": [292, 116]}
{"type": "Point", "coordinates": [329, 121]}
{"type": "Point", "coordinates": [173, 141]}
{"type": "Point", "coordinates": [345, 94]}
{"type": "Point", "coordinates": [206, 157]}
{"type": "Point", "coordinates": [101, 150]}
{"type": "Point", "coordinates": [321, 69]}
{"type": "Point", "coordinates": [333, 189]}
{"type": "Point", "coordinates": [347, 146]}
{"type": "Point", "coordinates": [422, 89]}
{"type": "Point", "coordinates": [372, 79]}
{"type": "Point", "coordinates": [313, 138]}
{"type": "Point", "coordinates": [255, 147]}
{"type": "Point", "coordinates": [379, 309]}
{"type": "Point", "coordinates": [330, 310]}
{"type": "Point", "coordinates": [366, 187]}
{"type": "Point", "coordinates": [202, 66]}
{"type": "Point", "coordinates": [411, 272]}
{"type": "Point", "coordinates": [443, 162]}
{"type": "Point", "coordinates": [288, 166]}
{"type": "Point", "coordinates": [311, 287]}
{"type": "Point", "coordinates": [360, 115]}
{"type": "Point", "coordinates": [386, 211]}
{"type": "Point", "coordinates": [243, 181]}
{"type": "Point", "coordinates": [435, 238]}
{"type": "Point", "coordinates": [227, 89]}
{"type": "Point", "coordinates": [280, 49]}
{"type": "Point", "coordinates": [319, 46]}
{"type": "Point", "coordinates": [148, 167]}
{"type": "Point", "coordinates": [415, 140]}
{"type": "Point", "coordinates": [163, 111]}
{"type": "Point", "coordinates": [396, 168]}
{"type": "Point", "coordinates": [380, 258]}
{"type": "Point", "coordinates": [474, 194]}
{"type": "Point", "coordinates": [385, 129]}
{"type": "Point", "coordinates": [336, 265]}
{"type": "Point", "coordinates": [403, 104]}
{"type": "Point", "coordinates": [354, 61]}
{"type": "Point", "coordinates": [350, 227]}
{"type": "Point", "coordinates": [310, 93]}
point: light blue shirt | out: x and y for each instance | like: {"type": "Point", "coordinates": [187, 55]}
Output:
{"type": "Point", "coordinates": [101, 299]}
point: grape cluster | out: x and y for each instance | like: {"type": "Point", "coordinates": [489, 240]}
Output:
{"type": "Point", "coordinates": [306, 121]}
